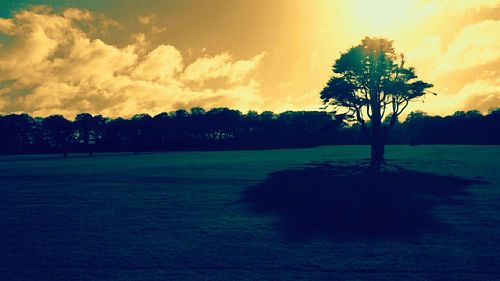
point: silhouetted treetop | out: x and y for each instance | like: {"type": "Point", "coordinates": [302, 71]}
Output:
{"type": "Point", "coordinates": [372, 72]}
{"type": "Point", "coordinates": [368, 82]}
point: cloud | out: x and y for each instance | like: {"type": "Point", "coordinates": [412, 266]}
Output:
{"type": "Point", "coordinates": [77, 14]}
{"type": "Point", "coordinates": [221, 66]}
{"type": "Point", "coordinates": [475, 45]}
{"type": "Point", "coordinates": [427, 52]}
{"type": "Point", "coordinates": [149, 21]}
{"type": "Point", "coordinates": [483, 102]}
{"type": "Point", "coordinates": [160, 65]}
{"type": "Point", "coordinates": [58, 67]}
{"type": "Point", "coordinates": [465, 69]}
{"type": "Point", "coordinates": [157, 30]}
{"type": "Point", "coordinates": [427, 10]}
{"type": "Point", "coordinates": [467, 6]}
{"type": "Point", "coordinates": [7, 26]}
{"type": "Point", "coordinates": [146, 20]}
{"type": "Point", "coordinates": [481, 95]}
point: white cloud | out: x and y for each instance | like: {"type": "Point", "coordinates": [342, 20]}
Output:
{"type": "Point", "coordinates": [221, 66]}
{"type": "Point", "coordinates": [58, 68]}
{"type": "Point", "coordinates": [467, 6]}
{"type": "Point", "coordinates": [157, 30]}
{"type": "Point", "coordinates": [149, 21]}
{"type": "Point", "coordinates": [7, 26]}
{"type": "Point", "coordinates": [139, 37]}
{"type": "Point", "coordinates": [481, 94]}
{"type": "Point", "coordinates": [146, 20]}
{"type": "Point", "coordinates": [77, 14]}
{"type": "Point", "coordinates": [474, 45]}
{"type": "Point", "coordinates": [160, 65]}
{"type": "Point", "coordinates": [427, 52]}
{"type": "Point", "coordinates": [447, 8]}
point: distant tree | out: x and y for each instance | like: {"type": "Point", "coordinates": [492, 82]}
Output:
{"type": "Point", "coordinates": [197, 125]}
{"type": "Point", "coordinates": [117, 135]}
{"type": "Point", "coordinates": [141, 130]}
{"type": "Point", "coordinates": [16, 132]}
{"type": "Point", "coordinates": [370, 81]}
{"type": "Point", "coordinates": [252, 120]}
{"type": "Point", "coordinates": [99, 129]}
{"type": "Point", "coordinates": [492, 122]}
{"type": "Point", "coordinates": [223, 128]}
{"type": "Point", "coordinates": [58, 132]}
{"type": "Point", "coordinates": [397, 135]}
{"type": "Point", "coordinates": [83, 126]}
{"type": "Point", "coordinates": [225, 122]}
{"type": "Point", "coordinates": [198, 111]}
{"type": "Point", "coordinates": [161, 124]}
{"type": "Point", "coordinates": [89, 129]}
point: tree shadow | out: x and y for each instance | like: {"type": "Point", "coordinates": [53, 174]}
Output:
{"type": "Point", "coordinates": [351, 202]}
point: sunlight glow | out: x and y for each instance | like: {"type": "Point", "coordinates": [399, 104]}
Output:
{"type": "Point", "coordinates": [381, 17]}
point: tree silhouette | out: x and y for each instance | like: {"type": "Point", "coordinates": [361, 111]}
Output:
{"type": "Point", "coordinates": [58, 131]}
{"type": "Point", "coordinates": [370, 80]}
{"type": "Point", "coordinates": [141, 130]}
{"type": "Point", "coordinates": [89, 130]}
{"type": "Point", "coordinates": [223, 129]}
{"type": "Point", "coordinates": [16, 131]}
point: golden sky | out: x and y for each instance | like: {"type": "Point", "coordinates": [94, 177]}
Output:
{"type": "Point", "coordinates": [120, 58]}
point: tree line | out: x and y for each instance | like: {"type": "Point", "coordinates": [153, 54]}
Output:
{"type": "Point", "coordinates": [223, 128]}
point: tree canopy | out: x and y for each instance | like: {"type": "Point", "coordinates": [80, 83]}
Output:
{"type": "Point", "coordinates": [372, 72]}
{"type": "Point", "coordinates": [371, 81]}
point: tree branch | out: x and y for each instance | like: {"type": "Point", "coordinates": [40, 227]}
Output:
{"type": "Point", "coordinates": [362, 122]}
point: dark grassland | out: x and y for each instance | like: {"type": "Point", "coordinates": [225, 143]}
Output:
{"type": "Point", "coordinates": [304, 214]}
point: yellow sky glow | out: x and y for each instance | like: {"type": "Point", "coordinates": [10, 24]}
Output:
{"type": "Point", "coordinates": [119, 60]}
{"type": "Point", "coordinates": [381, 18]}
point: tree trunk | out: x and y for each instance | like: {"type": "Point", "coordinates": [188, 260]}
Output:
{"type": "Point", "coordinates": [90, 149]}
{"type": "Point", "coordinates": [63, 147]}
{"type": "Point", "coordinates": [377, 140]}
{"type": "Point", "coordinates": [88, 145]}
{"type": "Point", "coordinates": [377, 154]}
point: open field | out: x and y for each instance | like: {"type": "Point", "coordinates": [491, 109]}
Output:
{"type": "Point", "coordinates": [212, 216]}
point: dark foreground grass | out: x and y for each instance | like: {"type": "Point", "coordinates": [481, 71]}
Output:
{"type": "Point", "coordinates": [308, 214]}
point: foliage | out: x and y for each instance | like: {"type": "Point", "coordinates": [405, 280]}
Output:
{"type": "Point", "coordinates": [224, 128]}
{"type": "Point", "coordinates": [369, 77]}
{"type": "Point", "coordinates": [369, 81]}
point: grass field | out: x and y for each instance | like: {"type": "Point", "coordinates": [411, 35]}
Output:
{"type": "Point", "coordinates": [229, 216]}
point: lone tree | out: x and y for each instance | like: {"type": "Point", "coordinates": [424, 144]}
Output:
{"type": "Point", "coordinates": [371, 80]}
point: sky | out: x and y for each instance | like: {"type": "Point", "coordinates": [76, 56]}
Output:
{"type": "Point", "coordinates": [125, 57]}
